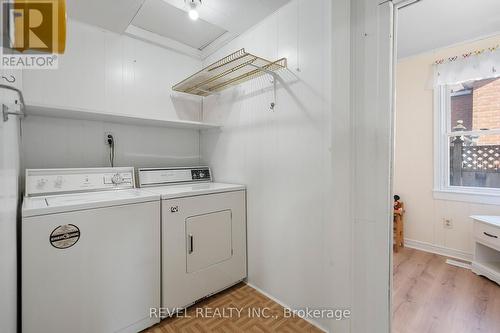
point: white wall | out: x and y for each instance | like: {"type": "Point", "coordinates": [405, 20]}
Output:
{"type": "Point", "coordinates": [105, 72]}
{"type": "Point", "coordinates": [9, 180]}
{"type": "Point", "coordinates": [297, 162]}
{"type": "Point", "coordinates": [371, 112]}
{"type": "Point", "coordinates": [414, 160]}
{"type": "Point", "coordinates": [100, 71]}
{"type": "Point", "coordinates": [295, 166]}
{"type": "Point", "coordinates": [66, 143]}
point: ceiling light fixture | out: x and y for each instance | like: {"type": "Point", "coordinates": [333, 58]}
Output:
{"type": "Point", "coordinates": [193, 12]}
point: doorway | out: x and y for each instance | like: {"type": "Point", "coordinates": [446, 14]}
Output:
{"type": "Point", "coordinates": [440, 177]}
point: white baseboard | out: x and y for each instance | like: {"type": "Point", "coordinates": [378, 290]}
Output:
{"type": "Point", "coordinates": [437, 249]}
{"type": "Point", "coordinates": [459, 263]}
{"type": "Point", "coordinates": [286, 306]}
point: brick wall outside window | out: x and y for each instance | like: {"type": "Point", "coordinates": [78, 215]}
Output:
{"type": "Point", "coordinates": [486, 108]}
{"type": "Point", "coordinates": [462, 110]}
{"type": "Point", "coordinates": [479, 110]}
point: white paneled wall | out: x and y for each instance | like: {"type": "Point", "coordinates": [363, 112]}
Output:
{"type": "Point", "coordinates": [372, 148]}
{"type": "Point", "coordinates": [103, 71]}
{"type": "Point", "coordinates": [106, 72]}
{"type": "Point", "coordinates": [298, 162]}
{"type": "Point", "coordinates": [9, 180]}
{"type": "Point", "coordinates": [298, 238]}
{"type": "Point", "coordinates": [66, 143]}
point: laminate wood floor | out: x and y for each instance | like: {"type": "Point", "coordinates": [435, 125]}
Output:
{"type": "Point", "coordinates": [431, 296]}
{"type": "Point", "coordinates": [214, 315]}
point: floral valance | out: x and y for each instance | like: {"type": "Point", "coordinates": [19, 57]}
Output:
{"type": "Point", "coordinates": [476, 65]}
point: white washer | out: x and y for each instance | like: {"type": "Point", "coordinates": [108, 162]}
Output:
{"type": "Point", "coordinates": [203, 233]}
{"type": "Point", "coordinates": [90, 252]}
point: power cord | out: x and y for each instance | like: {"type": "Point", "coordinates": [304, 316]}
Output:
{"type": "Point", "coordinates": [111, 143]}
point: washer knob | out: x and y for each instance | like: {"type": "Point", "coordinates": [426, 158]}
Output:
{"type": "Point", "coordinates": [117, 179]}
{"type": "Point", "coordinates": [58, 182]}
{"type": "Point", "coordinates": [41, 183]}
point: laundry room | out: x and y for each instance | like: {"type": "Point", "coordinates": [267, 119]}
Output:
{"type": "Point", "coordinates": [195, 166]}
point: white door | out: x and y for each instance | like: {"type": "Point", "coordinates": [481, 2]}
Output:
{"type": "Point", "coordinates": [209, 240]}
{"type": "Point", "coordinates": [203, 246]}
{"type": "Point", "coordinates": [9, 192]}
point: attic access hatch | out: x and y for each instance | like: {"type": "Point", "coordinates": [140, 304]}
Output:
{"type": "Point", "coordinates": [229, 71]}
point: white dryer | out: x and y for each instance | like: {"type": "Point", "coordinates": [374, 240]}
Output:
{"type": "Point", "coordinates": [90, 252]}
{"type": "Point", "coordinates": [203, 233]}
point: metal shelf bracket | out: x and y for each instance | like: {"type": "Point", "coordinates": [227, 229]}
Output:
{"type": "Point", "coordinates": [275, 78]}
{"type": "Point", "coordinates": [6, 112]}
{"type": "Point", "coordinates": [19, 106]}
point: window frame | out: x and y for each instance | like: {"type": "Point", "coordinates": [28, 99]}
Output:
{"type": "Point", "coordinates": [442, 133]}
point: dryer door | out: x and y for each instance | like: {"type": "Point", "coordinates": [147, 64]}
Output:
{"type": "Point", "coordinates": [208, 240]}
{"type": "Point", "coordinates": [203, 246]}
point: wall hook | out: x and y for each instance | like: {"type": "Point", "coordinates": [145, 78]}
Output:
{"type": "Point", "coordinates": [12, 79]}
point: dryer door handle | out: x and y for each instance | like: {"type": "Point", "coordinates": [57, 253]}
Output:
{"type": "Point", "coordinates": [190, 244]}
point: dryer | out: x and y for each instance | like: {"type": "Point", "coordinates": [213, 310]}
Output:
{"type": "Point", "coordinates": [90, 252]}
{"type": "Point", "coordinates": [203, 233]}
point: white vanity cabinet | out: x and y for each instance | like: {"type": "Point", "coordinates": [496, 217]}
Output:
{"type": "Point", "coordinates": [486, 260]}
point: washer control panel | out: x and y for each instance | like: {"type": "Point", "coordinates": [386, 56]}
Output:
{"type": "Point", "coordinates": [166, 176]}
{"type": "Point", "coordinates": [52, 181]}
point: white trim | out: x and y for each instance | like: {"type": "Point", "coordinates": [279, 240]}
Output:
{"type": "Point", "coordinates": [217, 44]}
{"type": "Point", "coordinates": [484, 270]}
{"type": "Point", "coordinates": [162, 41]}
{"type": "Point", "coordinates": [459, 263]}
{"type": "Point", "coordinates": [462, 93]}
{"type": "Point", "coordinates": [438, 249]}
{"type": "Point", "coordinates": [442, 133]}
{"type": "Point", "coordinates": [439, 129]}
{"type": "Point", "coordinates": [474, 132]}
{"type": "Point", "coordinates": [398, 4]}
{"type": "Point", "coordinates": [472, 195]}
{"type": "Point", "coordinates": [283, 304]}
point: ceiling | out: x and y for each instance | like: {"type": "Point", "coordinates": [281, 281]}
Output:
{"type": "Point", "coordinates": [159, 17]}
{"type": "Point", "coordinates": [433, 24]}
{"type": "Point", "coordinates": [166, 21]}
{"type": "Point", "coordinates": [114, 15]}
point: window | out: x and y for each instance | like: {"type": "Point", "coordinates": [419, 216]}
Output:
{"type": "Point", "coordinates": [468, 137]}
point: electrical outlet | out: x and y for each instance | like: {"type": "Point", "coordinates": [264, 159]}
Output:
{"type": "Point", "coordinates": [447, 223]}
{"type": "Point", "coordinates": [108, 136]}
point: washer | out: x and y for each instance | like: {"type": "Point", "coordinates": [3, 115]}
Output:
{"type": "Point", "coordinates": [90, 252]}
{"type": "Point", "coordinates": [203, 233]}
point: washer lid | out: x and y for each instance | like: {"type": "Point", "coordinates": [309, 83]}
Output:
{"type": "Point", "coordinates": [43, 205]}
{"type": "Point", "coordinates": [188, 190]}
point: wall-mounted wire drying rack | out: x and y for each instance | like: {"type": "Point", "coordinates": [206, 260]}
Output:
{"type": "Point", "coordinates": [229, 71]}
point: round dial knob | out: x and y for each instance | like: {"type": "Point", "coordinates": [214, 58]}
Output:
{"type": "Point", "coordinates": [41, 183]}
{"type": "Point", "coordinates": [58, 182]}
{"type": "Point", "coordinates": [117, 179]}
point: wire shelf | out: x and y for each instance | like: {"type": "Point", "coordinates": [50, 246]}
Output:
{"type": "Point", "coordinates": [229, 71]}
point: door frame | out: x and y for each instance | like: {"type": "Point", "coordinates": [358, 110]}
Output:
{"type": "Point", "coordinates": [396, 5]}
